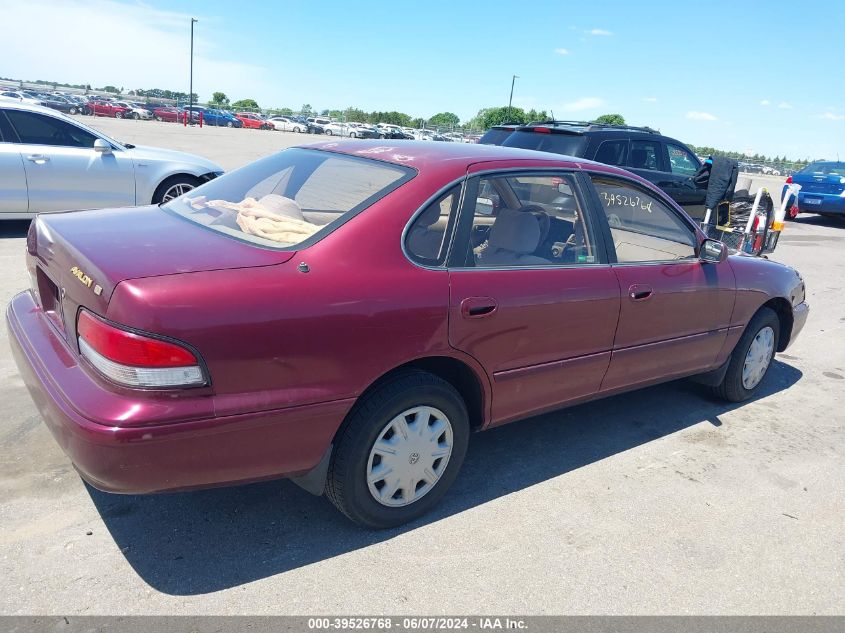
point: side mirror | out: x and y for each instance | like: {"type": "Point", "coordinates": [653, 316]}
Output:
{"type": "Point", "coordinates": [101, 146]}
{"type": "Point", "coordinates": [712, 252]}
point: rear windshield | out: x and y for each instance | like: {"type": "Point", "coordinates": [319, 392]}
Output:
{"type": "Point", "coordinates": [495, 136]}
{"type": "Point", "coordinates": [567, 144]}
{"type": "Point", "coordinates": [833, 169]}
{"type": "Point", "coordinates": [291, 199]}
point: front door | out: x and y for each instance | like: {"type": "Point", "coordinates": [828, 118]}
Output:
{"type": "Point", "coordinates": [12, 174]}
{"type": "Point", "coordinates": [63, 171]}
{"type": "Point", "coordinates": [675, 310]}
{"type": "Point", "coordinates": [532, 297]}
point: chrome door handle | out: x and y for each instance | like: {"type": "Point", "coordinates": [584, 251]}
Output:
{"type": "Point", "coordinates": [39, 159]}
{"type": "Point", "coordinates": [640, 292]}
{"type": "Point", "coordinates": [478, 307]}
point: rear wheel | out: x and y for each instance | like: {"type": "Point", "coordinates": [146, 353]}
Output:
{"type": "Point", "coordinates": [157, 118]}
{"type": "Point", "coordinates": [73, 110]}
{"type": "Point", "coordinates": [751, 358]}
{"type": "Point", "coordinates": [297, 130]}
{"type": "Point", "coordinates": [118, 115]}
{"type": "Point", "coordinates": [136, 116]}
{"type": "Point", "coordinates": [174, 187]}
{"type": "Point", "coordinates": [329, 132]}
{"type": "Point", "coordinates": [399, 451]}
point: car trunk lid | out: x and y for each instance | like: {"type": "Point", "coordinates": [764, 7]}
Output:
{"type": "Point", "coordinates": [77, 259]}
{"type": "Point", "coordinates": [819, 182]}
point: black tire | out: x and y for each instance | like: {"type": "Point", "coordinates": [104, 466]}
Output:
{"type": "Point", "coordinates": [157, 118]}
{"type": "Point", "coordinates": [73, 111]}
{"type": "Point", "coordinates": [183, 179]}
{"type": "Point", "coordinates": [346, 483]}
{"type": "Point", "coordinates": [329, 132]}
{"type": "Point", "coordinates": [136, 116]}
{"type": "Point", "coordinates": [297, 130]}
{"type": "Point", "coordinates": [731, 387]}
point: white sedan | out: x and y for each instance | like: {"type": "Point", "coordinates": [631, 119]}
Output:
{"type": "Point", "coordinates": [13, 95]}
{"type": "Point", "coordinates": [284, 124]}
{"type": "Point", "coordinates": [51, 162]}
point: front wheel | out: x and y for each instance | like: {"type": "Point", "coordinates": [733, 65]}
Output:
{"type": "Point", "coordinates": [399, 450]}
{"type": "Point", "coordinates": [157, 118]}
{"type": "Point", "coordinates": [751, 358]}
{"type": "Point", "coordinates": [174, 187]}
{"type": "Point", "coordinates": [118, 115]}
{"type": "Point", "coordinates": [73, 111]}
{"type": "Point", "coordinates": [297, 130]}
{"type": "Point", "coordinates": [136, 116]}
{"type": "Point", "coordinates": [329, 132]}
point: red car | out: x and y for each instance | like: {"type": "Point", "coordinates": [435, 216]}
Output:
{"type": "Point", "coordinates": [169, 114]}
{"type": "Point", "coordinates": [252, 120]}
{"type": "Point", "coordinates": [107, 108]}
{"type": "Point", "coordinates": [346, 314]}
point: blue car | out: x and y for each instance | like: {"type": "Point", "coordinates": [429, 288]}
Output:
{"type": "Point", "coordinates": [210, 116]}
{"type": "Point", "coordinates": [822, 189]}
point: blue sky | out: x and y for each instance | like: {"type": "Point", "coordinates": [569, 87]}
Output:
{"type": "Point", "coordinates": [763, 77]}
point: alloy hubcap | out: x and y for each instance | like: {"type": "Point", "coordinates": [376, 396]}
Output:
{"type": "Point", "coordinates": [175, 191]}
{"type": "Point", "coordinates": [758, 358]}
{"type": "Point", "coordinates": [409, 456]}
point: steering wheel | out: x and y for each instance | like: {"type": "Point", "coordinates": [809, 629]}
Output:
{"type": "Point", "coordinates": [614, 221]}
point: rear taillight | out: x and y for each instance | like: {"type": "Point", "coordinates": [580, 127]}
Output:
{"type": "Point", "coordinates": [789, 180]}
{"type": "Point", "coordinates": [541, 130]}
{"type": "Point", "coordinates": [133, 359]}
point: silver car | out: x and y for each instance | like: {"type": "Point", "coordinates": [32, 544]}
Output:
{"type": "Point", "coordinates": [51, 162]}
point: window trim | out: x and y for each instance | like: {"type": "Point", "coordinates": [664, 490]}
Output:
{"type": "Point", "coordinates": [658, 195]}
{"type": "Point", "coordinates": [117, 147]}
{"type": "Point", "coordinates": [457, 261]}
{"type": "Point", "coordinates": [602, 141]}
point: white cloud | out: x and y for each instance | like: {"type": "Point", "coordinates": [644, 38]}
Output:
{"type": "Point", "coordinates": [700, 116]}
{"type": "Point", "coordinates": [832, 116]}
{"type": "Point", "coordinates": [152, 49]}
{"type": "Point", "coordinates": [584, 103]}
{"type": "Point", "coordinates": [765, 102]}
{"type": "Point", "coordinates": [600, 32]}
{"type": "Point", "coordinates": [561, 51]}
{"type": "Point", "coordinates": [784, 105]}
{"type": "Point", "coordinates": [650, 99]}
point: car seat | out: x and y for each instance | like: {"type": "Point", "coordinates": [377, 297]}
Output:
{"type": "Point", "coordinates": [514, 237]}
{"type": "Point", "coordinates": [423, 240]}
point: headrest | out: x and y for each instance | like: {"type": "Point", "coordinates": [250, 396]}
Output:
{"type": "Point", "coordinates": [638, 157]}
{"type": "Point", "coordinates": [280, 205]}
{"type": "Point", "coordinates": [429, 216]}
{"type": "Point", "coordinates": [515, 231]}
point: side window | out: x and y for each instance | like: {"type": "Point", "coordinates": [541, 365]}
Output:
{"type": "Point", "coordinates": [529, 220]}
{"type": "Point", "coordinates": [681, 161]}
{"type": "Point", "coordinates": [427, 238]}
{"type": "Point", "coordinates": [7, 135]}
{"type": "Point", "coordinates": [644, 155]}
{"type": "Point", "coordinates": [38, 129]}
{"type": "Point", "coordinates": [612, 153]}
{"type": "Point", "coordinates": [644, 229]}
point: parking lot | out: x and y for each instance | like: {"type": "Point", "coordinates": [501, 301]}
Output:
{"type": "Point", "coordinates": [659, 501]}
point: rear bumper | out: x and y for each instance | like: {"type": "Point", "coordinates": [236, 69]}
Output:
{"type": "Point", "coordinates": [827, 203]}
{"type": "Point", "coordinates": [157, 457]}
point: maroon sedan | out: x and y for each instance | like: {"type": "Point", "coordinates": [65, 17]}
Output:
{"type": "Point", "coordinates": [346, 314]}
{"type": "Point", "coordinates": [107, 108]}
{"type": "Point", "coordinates": [169, 114]}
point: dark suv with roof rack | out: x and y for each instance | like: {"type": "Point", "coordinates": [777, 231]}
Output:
{"type": "Point", "coordinates": [666, 162]}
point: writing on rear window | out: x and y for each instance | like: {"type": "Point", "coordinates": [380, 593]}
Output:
{"type": "Point", "coordinates": [621, 200]}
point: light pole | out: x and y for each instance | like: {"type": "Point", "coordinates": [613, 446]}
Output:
{"type": "Point", "coordinates": [191, 85]}
{"type": "Point", "coordinates": [515, 77]}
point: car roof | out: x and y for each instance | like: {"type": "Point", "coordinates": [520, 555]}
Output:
{"type": "Point", "coordinates": [31, 107]}
{"type": "Point", "coordinates": [422, 154]}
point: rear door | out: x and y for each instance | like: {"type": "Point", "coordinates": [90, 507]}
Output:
{"type": "Point", "coordinates": [675, 310]}
{"type": "Point", "coordinates": [63, 171]}
{"type": "Point", "coordinates": [532, 297]}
